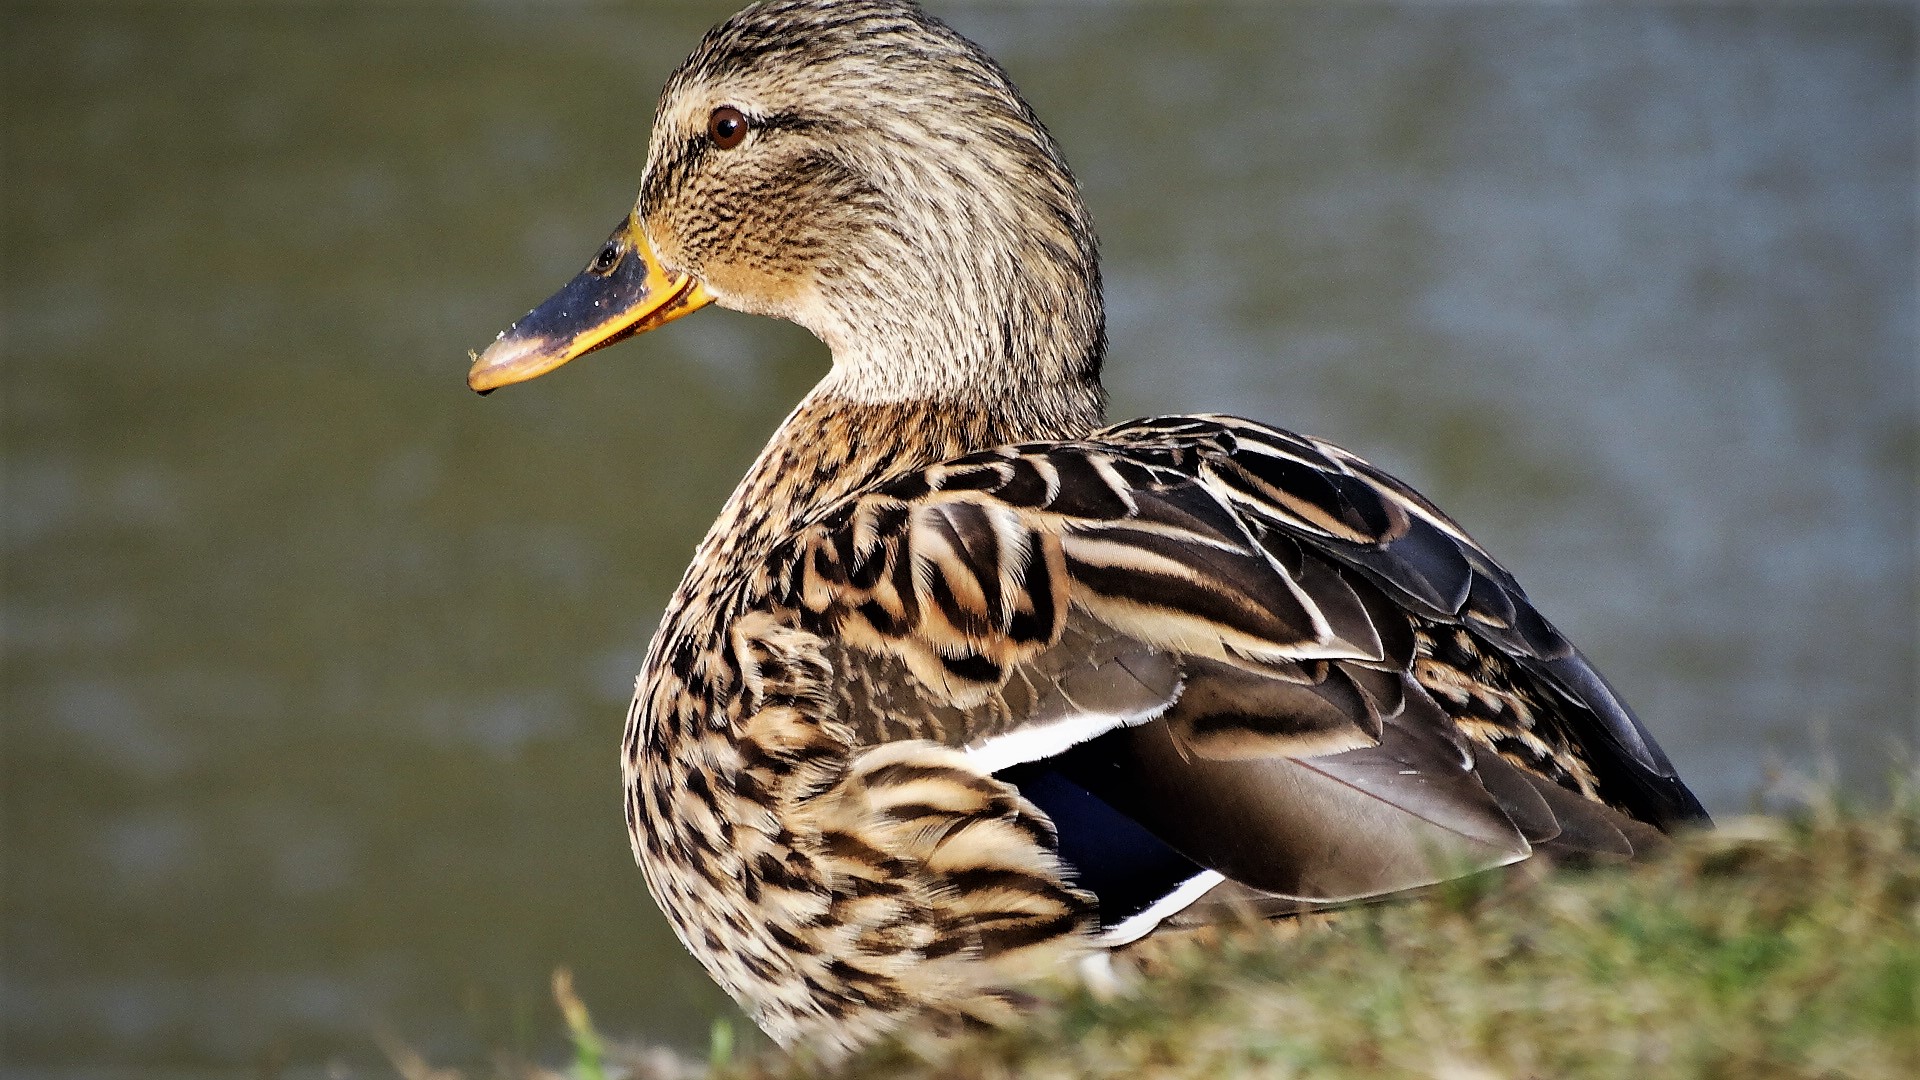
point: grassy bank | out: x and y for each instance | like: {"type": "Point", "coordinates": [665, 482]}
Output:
{"type": "Point", "coordinates": [1770, 948]}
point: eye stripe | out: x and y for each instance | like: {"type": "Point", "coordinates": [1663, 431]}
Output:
{"type": "Point", "coordinates": [790, 122]}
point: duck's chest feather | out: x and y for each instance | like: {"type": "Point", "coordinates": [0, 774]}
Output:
{"type": "Point", "coordinates": [812, 872]}
{"type": "Point", "coordinates": [831, 886]}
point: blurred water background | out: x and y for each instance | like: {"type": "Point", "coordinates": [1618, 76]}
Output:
{"type": "Point", "coordinates": [315, 662]}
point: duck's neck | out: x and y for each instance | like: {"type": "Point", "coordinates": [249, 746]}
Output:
{"type": "Point", "coordinates": [834, 445]}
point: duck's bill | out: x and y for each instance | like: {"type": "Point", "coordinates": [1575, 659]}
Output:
{"type": "Point", "coordinates": [623, 292]}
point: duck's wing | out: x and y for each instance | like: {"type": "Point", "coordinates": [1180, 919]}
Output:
{"type": "Point", "coordinates": [1210, 650]}
{"type": "Point", "coordinates": [1336, 505]}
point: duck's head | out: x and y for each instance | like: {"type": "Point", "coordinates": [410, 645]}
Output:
{"type": "Point", "coordinates": [858, 168]}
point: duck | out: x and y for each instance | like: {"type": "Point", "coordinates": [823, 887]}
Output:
{"type": "Point", "coordinates": [967, 686]}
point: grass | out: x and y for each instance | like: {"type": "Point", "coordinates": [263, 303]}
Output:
{"type": "Point", "coordinates": [1772, 947]}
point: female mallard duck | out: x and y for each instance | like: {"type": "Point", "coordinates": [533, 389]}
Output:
{"type": "Point", "coordinates": [963, 684]}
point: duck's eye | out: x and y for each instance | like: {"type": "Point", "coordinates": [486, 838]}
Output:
{"type": "Point", "coordinates": [727, 127]}
{"type": "Point", "coordinates": [604, 261]}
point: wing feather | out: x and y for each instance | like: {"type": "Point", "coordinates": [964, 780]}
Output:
{"type": "Point", "coordinates": [1221, 631]}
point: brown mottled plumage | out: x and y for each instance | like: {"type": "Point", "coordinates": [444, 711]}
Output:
{"type": "Point", "coordinates": [962, 685]}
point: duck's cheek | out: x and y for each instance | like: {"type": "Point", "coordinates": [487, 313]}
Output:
{"type": "Point", "coordinates": [740, 287]}
{"type": "Point", "coordinates": [745, 273]}
{"type": "Point", "coordinates": [667, 240]}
